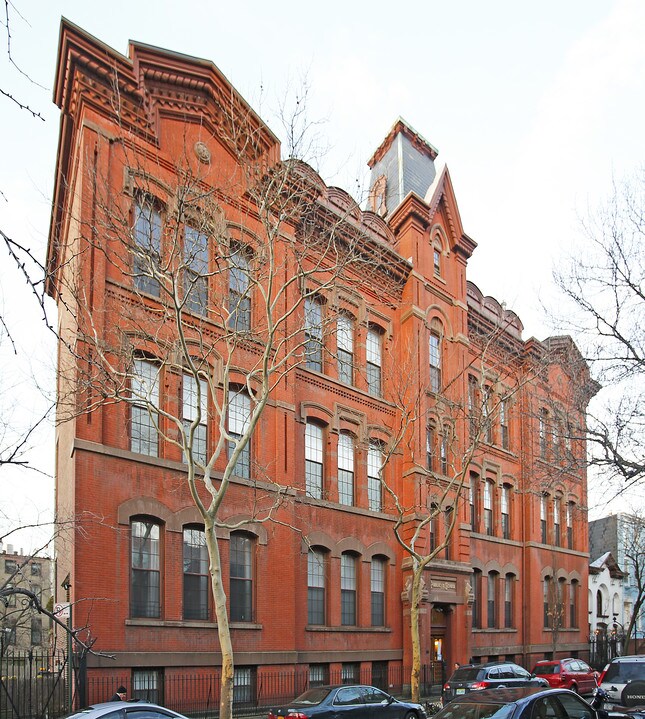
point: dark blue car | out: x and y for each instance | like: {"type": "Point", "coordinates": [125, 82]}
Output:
{"type": "Point", "coordinates": [347, 702]}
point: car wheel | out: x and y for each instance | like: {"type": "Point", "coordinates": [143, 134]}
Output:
{"type": "Point", "coordinates": [410, 715]}
{"type": "Point", "coordinates": [574, 688]}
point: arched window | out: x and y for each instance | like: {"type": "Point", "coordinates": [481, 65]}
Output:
{"type": "Point", "coordinates": [144, 417]}
{"type": "Point", "coordinates": [435, 361]}
{"type": "Point", "coordinates": [347, 589]}
{"type": "Point", "coordinates": [145, 577]}
{"type": "Point", "coordinates": [488, 507]}
{"type": "Point", "coordinates": [447, 524]}
{"type": "Point", "coordinates": [239, 287]}
{"type": "Point", "coordinates": [445, 448]}
{"type": "Point", "coordinates": [543, 516]}
{"type": "Point", "coordinates": [557, 509]}
{"type": "Point", "coordinates": [241, 577]}
{"type": "Point", "coordinates": [599, 611]}
{"type": "Point", "coordinates": [503, 423]}
{"type": "Point", "coordinates": [345, 343]}
{"type": "Point", "coordinates": [196, 577]}
{"type": "Point", "coordinates": [431, 448]}
{"type": "Point", "coordinates": [492, 581]}
{"type": "Point", "coordinates": [316, 603]}
{"type": "Point", "coordinates": [436, 257]}
{"type": "Point", "coordinates": [314, 454]}
{"type": "Point", "coordinates": [546, 600]}
{"type": "Point", "coordinates": [377, 587]}
{"type": "Point", "coordinates": [374, 468]}
{"type": "Point", "coordinates": [506, 511]}
{"type": "Point", "coordinates": [345, 469]}
{"type": "Point", "coordinates": [477, 598]}
{"type": "Point", "coordinates": [569, 520]}
{"type": "Point", "coordinates": [509, 587]}
{"type": "Point", "coordinates": [573, 603]}
{"type": "Point", "coordinates": [374, 361]}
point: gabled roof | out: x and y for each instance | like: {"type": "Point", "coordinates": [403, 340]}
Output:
{"type": "Point", "coordinates": [607, 561]}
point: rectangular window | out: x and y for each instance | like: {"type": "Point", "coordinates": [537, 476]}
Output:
{"type": "Point", "coordinates": [472, 406]}
{"type": "Point", "coordinates": [147, 685]}
{"type": "Point", "coordinates": [436, 259]}
{"type": "Point", "coordinates": [543, 526]}
{"type": "Point", "coordinates": [196, 577]}
{"type": "Point", "coordinates": [573, 604]}
{"type": "Point", "coordinates": [347, 590]}
{"type": "Point", "coordinates": [506, 503]}
{"type": "Point", "coordinates": [345, 469]}
{"type": "Point", "coordinates": [492, 609]}
{"type": "Point", "coordinates": [486, 415]}
{"type": "Point", "coordinates": [488, 507]}
{"type": "Point", "coordinates": [503, 421]}
{"type": "Point", "coordinates": [239, 414]}
{"type": "Point", "coordinates": [546, 591]}
{"type": "Point", "coordinates": [196, 272]}
{"type": "Point", "coordinates": [473, 497]}
{"type": "Point", "coordinates": [435, 363]}
{"type": "Point", "coordinates": [447, 531]}
{"type": "Point", "coordinates": [314, 460]}
{"type": "Point", "coordinates": [10, 566]}
{"type": "Point", "coordinates": [345, 342]}
{"type": "Point", "coordinates": [377, 582]}
{"type": "Point", "coordinates": [350, 673]}
{"type": "Point", "coordinates": [36, 569]}
{"type": "Point", "coordinates": [477, 588]}
{"type": "Point", "coordinates": [313, 334]}
{"type": "Point", "coordinates": [431, 443]}
{"type": "Point", "coordinates": [318, 675]}
{"type": "Point", "coordinates": [239, 288]}
{"type": "Point", "coordinates": [241, 578]}
{"type": "Point", "coordinates": [194, 404]}
{"type": "Point", "coordinates": [315, 587]}
{"type": "Point", "coordinates": [144, 387]}
{"type": "Point", "coordinates": [569, 525]}
{"type": "Point", "coordinates": [244, 686]}
{"type": "Point", "coordinates": [445, 439]}
{"type": "Point", "coordinates": [556, 521]}
{"type": "Point", "coordinates": [542, 431]}
{"type": "Point", "coordinates": [374, 465]}
{"type": "Point", "coordinates": [373, 349]}
{"type": "Point", "coordinates": [145, 578]}
{"type": "Point", "coordinates": [147, 247]}
{"type": "Point", "coordinates": [508, 601]}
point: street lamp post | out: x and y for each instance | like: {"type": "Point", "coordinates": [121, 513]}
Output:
{"type": "Point", "coordinates": [618, 637]}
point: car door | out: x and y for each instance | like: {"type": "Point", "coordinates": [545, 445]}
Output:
{"type": "Point", "coordinates": [379, 705]}
{"type": "Point", "coordinates": [574, 708]}
{"type": "Point", "coordinates": [587, 679]}
{"type": "Point", "coordinates": [522, 677]}
{"type": "Point", "coordinates": [349, 703]}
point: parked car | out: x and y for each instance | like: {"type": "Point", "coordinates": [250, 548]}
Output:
{"type": "Point", "coordinates": [520, 703]}
{"type": "Point", "coordinates": [125, 710]}
{"type": "Point", "coordinates": [473, 677]}
{"type": "Point", "coordinates": [570, 673]}
{"type": "Point", "coordinates": [345, 701]}
{"type": "Point", "coordinates": [620, 672]}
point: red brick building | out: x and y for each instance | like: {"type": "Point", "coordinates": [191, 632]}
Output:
{"type": "Point", "coordinates": [332, 596]}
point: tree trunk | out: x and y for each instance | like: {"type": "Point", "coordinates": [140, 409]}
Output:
{"type": "Point", "coordinates": [415, 600]}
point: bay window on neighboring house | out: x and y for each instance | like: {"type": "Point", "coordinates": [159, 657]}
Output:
{"type": "Point", "coordinates": [239, 288]}
{"type": "Point", "coordinates": [196, 270]}
{"type": "Point", "coordinates": [144, 417]}
{"type": "Point", "coordinates": [314, 460]}
{"type": "Point", "coordinates": [194, 403]}
{"type": "Point", "coordinates": [377, 587]}
{"type": "Point", "coordinates": [347, 589]}
{"type": "Point", "coordinates": [506, 503]}
{"type": "Point", "coordinates": [488, 507]}
{"type": "Point", "coordinates": [196, 575]}
{"type": "Point", "coordinates": [313, 334]}
{"type": "Point", "coordinates": [435, 362]}
{"type": "Point", "coordinates": [147, 247]}
{"type": "Point", "coordinates": [316, 605]}
{"type": "Point", "coordinates": [345, 469]}
{"type": "Point", "coordinates": [543, 518]}
{"type": "Point", "coordinates": [374, 361]}
{"type": "Point", "coordinates": [345, 343]}
{"type": "Point", "coordinates": [241, 577]}
{"type": "Point", "coordinates": [145, 576]}
{"type": "Point", "coordinates": [239, 414]}
{"type": "Point", "coordinates": [374, 468]}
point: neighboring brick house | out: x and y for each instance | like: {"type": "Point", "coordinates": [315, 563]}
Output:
{"type": "Point", "coordinates": [518, 556]}
{"type": "Point", "coordinates": [23, 628]}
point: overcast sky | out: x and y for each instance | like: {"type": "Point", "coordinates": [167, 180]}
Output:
{"type": "Point", "coordinates": [534, 107]}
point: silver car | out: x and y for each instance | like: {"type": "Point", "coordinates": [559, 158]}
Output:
{"type": "Point", "coordinates": [125, 710]}
{"type": "Point", "coordinates": [620, 672]}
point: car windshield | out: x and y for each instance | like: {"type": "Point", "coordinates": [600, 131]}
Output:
{"type": "Point", "coordinates": [546, 669]}
{"type": "Point", "coordinates": [623, 672]}
{"type": "Point", "coordinates": [465, 674]}
{"type": "Point", "coordinates": [312, 696]}
{"type": "Point", "coordinates": [472, 710]}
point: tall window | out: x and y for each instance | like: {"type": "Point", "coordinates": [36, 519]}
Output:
{"type": "Point", "coordinates": [374, 465]}
{"type": "Point", "coordinates": [244, 685]}
{"type": "Point", "coordinates": [573, 603]}
{"type": "Point", "coordinates": [543, 517]}
{"type": "Point", "coordinates": [435, 362]}
{"type": "Point", "coordinates": [147, 247]}
{"type": "Point", "coordinates": [313, 334]}
{"type": "Point", "coordinates": [147, 685]}
{"type": "Point", "coordinates": [488, 507]}
{"type": "Point", "coordinates": [506, 503]}
{"type": "Point", "coordinates": [314, 460]}
{"type": "Point", "coordinates": [570, 526]}
{"type": "Point", "coordinates": [345, 342]}
{"type": "Point", "coordinates": [315, 587]}
{"type": "Point", "coordinates": [36, 631]}
{"type": "Point", "coordinates": [472, 501]}
{"type": "Point", "coordinates": [145, 577]}
{"type": "Point", "coordinates": [431, 448]}
{"type": "Point", "coordinates": [195, 410]}
{"type": "Point", "coordinates": [543, 431]}
{"type": "Point", "coordinates": [377, 585]}
{"type": "Point", "coordinates": [477, 589]}
{"type": "Point", "coordinates": [488, 422]}
{"type": "Point", "coordinates": [546, 595]}
{"type": "Point", "coordinates": [318, 675]}
{"type": "Point", "coordinates": [432, 526]}
{"type": "Point", "coordinates": [239, 287]}
{"type": "Point", "coordinates": [195, 574]}
{"type": "Point", "coordinates": [347, 589]}
{"type": "Point", "coordinates": [196, 274]}
{"type": "Point", "coordinates": [373, 349]}
{"type": "Point", "coordinates": [445, 441]}
{"type": "Point", "coordinates": [436, 260]}
{"type": "Point", "coordinates": [557, 508]}
{"type": "Point", "coordinates": [241, 570]}
{"type": "Point", "coordinates": [239, 414]}
{"type": "Point", "coordinates": [508, 600]}
{"type": "Point", "coordinates": [503, 422]}
{"type": "Point", "coordinates": [472, 406]}
{"type": "Point", "coordinates": [447, 534]}
{"type": "Point", "coordinates": [144, 436]}
{"type": "Point", "coordinates": [345, 469]}
{"type": "Point", "coordinates": [492, 604]}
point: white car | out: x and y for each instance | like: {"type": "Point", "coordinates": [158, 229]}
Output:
{"type": "Point", "coordinates": [620, 672]}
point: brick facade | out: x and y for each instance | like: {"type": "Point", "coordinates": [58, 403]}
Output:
{"type": "Point", "coordinates": [520, 534]}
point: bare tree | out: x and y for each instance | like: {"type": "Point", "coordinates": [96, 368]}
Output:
{"type": "Point", "coordinates": [605, 285]}
{"type": "Point", "coordinates": [634, 550]}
